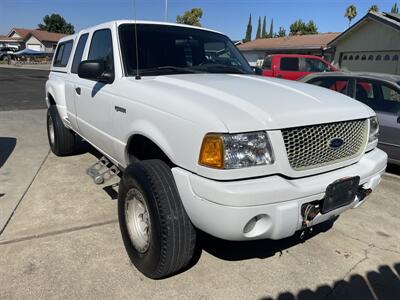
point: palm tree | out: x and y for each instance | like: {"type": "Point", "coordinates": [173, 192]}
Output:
{"type": "Point", "coordinates": [373, 8]}
{"type": "Point", "coordinates": [351, 13]}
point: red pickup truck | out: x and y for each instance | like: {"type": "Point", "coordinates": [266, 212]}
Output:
{"type": "Point", "coordinates": [294, 66]}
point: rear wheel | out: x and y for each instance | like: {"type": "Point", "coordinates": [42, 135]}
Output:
{"type": "Point", "coordinates": [61, 139]}
{"type": "Point", "coordinates": [157, 233]}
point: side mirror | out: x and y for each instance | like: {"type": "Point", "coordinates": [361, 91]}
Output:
{"type": "Point", "coordinates": [257, 70]}
{"type": "Point", "coordinates": [95, 70]}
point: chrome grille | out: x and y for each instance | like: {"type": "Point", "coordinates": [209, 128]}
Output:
{"type": "Point", "coordinates": [310, 146]}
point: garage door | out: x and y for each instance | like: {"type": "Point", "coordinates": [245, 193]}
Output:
{"type": "Point", "coordinates": [35, 47]}
{"type": "Point", "coordinates": [382, 62]}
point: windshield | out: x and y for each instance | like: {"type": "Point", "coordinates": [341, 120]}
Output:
{"type": "Point", "coordinates": [179, 50]}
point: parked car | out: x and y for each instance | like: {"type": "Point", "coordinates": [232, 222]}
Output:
{"type": "Point", "coordinates": [381, 92]}
{"type": "Point", "coordinates": [204, 143]}
{"type": "Point", "coordinates": [6, 52]}
{"type": "Point", "coordinates": [294, 66]}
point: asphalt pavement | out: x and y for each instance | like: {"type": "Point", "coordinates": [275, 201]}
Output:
{"type": "Point", "coordinates": [22, 89]}
{"type": "Point", "coordinates": [61, 237]}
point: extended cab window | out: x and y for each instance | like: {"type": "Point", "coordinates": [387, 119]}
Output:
{"type": "Point", "coordinates": [63, 53]}
{"type": "Point", "coordinates": [79, 53]}
{"type": "Point", "coordinates": [267, 63]}
{"type": "Point", "coordinates": [101, 48]}
{"type": "Point", "coordinates": [289, 64]}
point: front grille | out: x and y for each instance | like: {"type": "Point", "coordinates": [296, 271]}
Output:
{"type": "Point", "coordinates": [310, 146]}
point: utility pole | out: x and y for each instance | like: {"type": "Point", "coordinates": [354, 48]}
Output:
{"type": "Point", "coordinates": [166, 11]}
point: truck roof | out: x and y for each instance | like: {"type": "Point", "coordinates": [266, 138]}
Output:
{"type": "Point", "coordinates": [120, 22]}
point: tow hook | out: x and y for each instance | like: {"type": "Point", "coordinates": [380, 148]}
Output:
{"type": "Point", "coordinates": [308, 211]}
{"type": "Point", "coordinates": [362, 193]}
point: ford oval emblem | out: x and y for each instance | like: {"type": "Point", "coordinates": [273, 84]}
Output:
{"type": "Point", "coordinates": [336, 143]}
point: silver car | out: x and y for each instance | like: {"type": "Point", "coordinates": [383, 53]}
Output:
{"type": "Point", "coordinates": [379, 91]}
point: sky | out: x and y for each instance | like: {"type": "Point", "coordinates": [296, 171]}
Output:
{"type": "Point", "coordinates": [227, 16]}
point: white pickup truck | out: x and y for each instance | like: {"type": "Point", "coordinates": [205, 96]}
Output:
{"type": "Point", "coordinates": [203, 142]}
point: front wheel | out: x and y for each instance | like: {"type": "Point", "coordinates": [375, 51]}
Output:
{"type": "Point", "coordinates": [61, 139]}
{"type": "Point", "coordinates": [157, 233]}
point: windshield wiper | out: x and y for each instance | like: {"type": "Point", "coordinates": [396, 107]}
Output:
{"type": "Point", "coordinates": [169, 69]}
{"type": "Point", "coordinates": [218, 68]}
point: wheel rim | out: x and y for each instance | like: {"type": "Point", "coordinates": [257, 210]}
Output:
{"type": "Point", "coordinates": [137, 220]}
{"type": "Point", "coordinates": [51, 130]}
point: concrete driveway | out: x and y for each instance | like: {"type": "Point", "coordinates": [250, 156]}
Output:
{"type": "Point", "coordinates": [62, 240]}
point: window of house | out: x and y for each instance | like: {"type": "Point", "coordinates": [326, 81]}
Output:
{"type": "Point", "coordinates": [289, 64]}
{"type": "Point", "coordinates": [395, 57]}
{"type": "Point", "coordinates": [345, 57]}
{"type": "Point", "coordinates": [364, 57]}
{"type": "Point", "coordinates": [378, 57]}
{"type": "Point", "coordinates": [79, 53]}
{"type": "Point", "coordinates": [370, 57]}
{"type": "Point", "coordinates": [351, 57]}
{"type": "Point", "coordinates": [101, 48]}
{"type": "Point", "coordinates": [387, 57]}
{"type": "Point", "coordinates": [357, 57]}
{"type": "Point", "coordinates": [63, 53]}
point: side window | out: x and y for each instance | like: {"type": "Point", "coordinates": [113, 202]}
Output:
{"type": "Point", "coordinates": [101, 48]}
{"type": "Point", "coordinates": [267, 63]}
{"type": "Point", "coordinates": [378, 96]}
{"type": "Point", "coordinates": [79, 53]}
{"type": "Point", "coordinates": [289, 64]}
{"type": "Point", "coordinates": [314, 65]}
{"type": "Point", "coordinates": [63, 53]}
{"type": "Point", "coordinates": [335, 84]}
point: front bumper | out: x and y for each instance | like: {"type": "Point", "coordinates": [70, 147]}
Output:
{"type": "Point", "coordinates": [223, 208]}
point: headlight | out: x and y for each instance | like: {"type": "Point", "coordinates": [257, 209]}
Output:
{"type": "Point", "coordinates": [233, 151]}
{"type": "Point", "coordinates": [373, 130]}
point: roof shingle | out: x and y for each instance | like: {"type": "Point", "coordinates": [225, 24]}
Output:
{"type": "Point", "coordinates": [312, 41]}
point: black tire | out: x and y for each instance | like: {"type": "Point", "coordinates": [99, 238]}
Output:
{"type": "Point", "coordinates": [63, 141]}
{"type": "Point", "coordinates": [172, 237]}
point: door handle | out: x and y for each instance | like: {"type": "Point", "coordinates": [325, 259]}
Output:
{"type": "Point", "coordinates": [78, 90]}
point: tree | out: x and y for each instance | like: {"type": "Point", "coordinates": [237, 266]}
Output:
{"type": "Point", "coordinates": [264, 28]}
{"type": "Point", "coordinates": [351, 13]}
{"type": "Point", "coordinates": [258, 34]}
{"type": "Point", "coordinates": [395, 9]}
{"type": "Point", "coordinates": [281, 32]}
{"type": "Point", "coordinates": [311, 28]}
{"type": "Point", "coordinates": [271, 29]}
{"type": "Point", "coordinates": [191, 17]}
{"type": "Point", "coordinates": [56, 23]}
{"type": "Point", "coordinates": [300, 28]}
{"type": "Point", "coordinates": [249, 30]}
{"type": "Point", "coordinates": [373, 8]}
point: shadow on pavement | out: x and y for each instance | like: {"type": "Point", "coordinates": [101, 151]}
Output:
{"type": "Point", "coordinates": [7, 145]}
{"type": "Point", "coordinates": [383, 284]}
{"type": "Point", "coordinates": [393, 169]}
{"type": "Point", "coordinates": [234, 251]}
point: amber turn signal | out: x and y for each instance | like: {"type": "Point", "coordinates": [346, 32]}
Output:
{"type": "Point", "coordinates": [212, 151]}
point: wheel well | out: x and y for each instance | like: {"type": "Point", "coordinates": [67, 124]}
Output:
{"type": "Point", "coordinates": [142, 148]}
{"type": "Point", "coordinates": [51, 99]}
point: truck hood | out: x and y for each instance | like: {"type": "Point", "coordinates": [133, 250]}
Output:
{"type": "Point", "coordinates": [247, 103]}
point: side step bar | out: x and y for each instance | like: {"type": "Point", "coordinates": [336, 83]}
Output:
{"type": "Point", "coordinates": [102, 170]}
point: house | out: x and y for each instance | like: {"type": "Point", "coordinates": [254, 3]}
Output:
{"type": "Point", "coordinates": [38, 40]}
{"type": "Point", "coordinates": [372, 44]}
{"type": "Point", "coordinates": [15, 38]}
{"type": "Point", "coordinates": [313, 44]}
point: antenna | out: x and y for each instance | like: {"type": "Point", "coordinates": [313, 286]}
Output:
{"type": "Point", "coordinates": [137, 77]}
{"type": "Point", "coordinates": [166, 11]}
